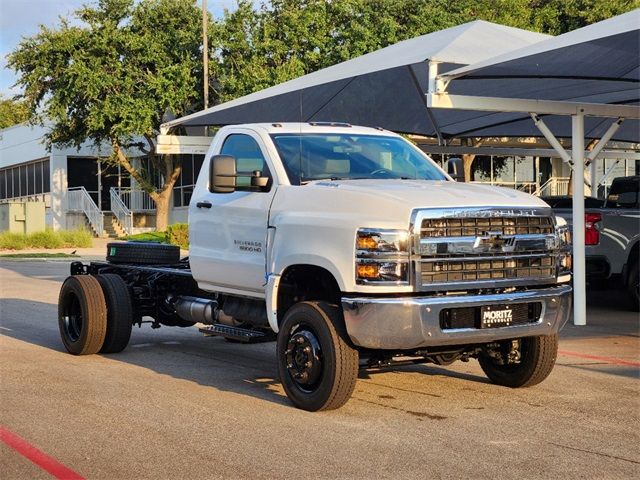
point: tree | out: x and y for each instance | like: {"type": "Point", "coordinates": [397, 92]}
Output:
{"type": "Point", "coordinates": [12, 112]}
{"type": "Point", "coordinates": [111, 78]}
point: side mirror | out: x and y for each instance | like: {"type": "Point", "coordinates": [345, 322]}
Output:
{"type": "Point", "coordinates": [222, 174]}
{"type": "Point", "coordinates": [455, 169]}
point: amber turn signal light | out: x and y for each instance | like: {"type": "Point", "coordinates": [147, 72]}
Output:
{"type": "Point", "coordinates": [366, 243]}
{"type": "Point", "coordinates": [368, 270]}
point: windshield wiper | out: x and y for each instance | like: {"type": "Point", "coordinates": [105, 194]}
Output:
{"type": "Point", "coordinates": [304, 182]}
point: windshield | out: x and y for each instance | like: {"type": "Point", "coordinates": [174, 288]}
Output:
{"type": "Point", "coordinates": [309, 157]}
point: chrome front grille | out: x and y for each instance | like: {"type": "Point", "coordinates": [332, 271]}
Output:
{"type": "Point", "coordinates": [483, 248]}
{"type": "Point", "coordinates": [474, 226]}
{"type": "Point", "coordinates": [470, 269]}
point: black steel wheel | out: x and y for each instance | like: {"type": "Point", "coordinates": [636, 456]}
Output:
{"type": "Point", "coordinates": [524, 364]}
{"type": "Point", "coordinates": [82, 315]}
{"type": "Point", "coordinates": [119, 313]}
{"type": "Point", "coordinates": [317, 365]}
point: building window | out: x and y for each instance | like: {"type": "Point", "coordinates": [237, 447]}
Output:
{"type": "Point", "coordinates": [183, 189]}
{"type": "Point", "coordinates": [24, 180]}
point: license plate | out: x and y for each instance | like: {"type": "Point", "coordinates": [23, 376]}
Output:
{"type": "Point", "coordinates": [492, 316]}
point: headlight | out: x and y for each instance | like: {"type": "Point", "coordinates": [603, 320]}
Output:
{"type": "Point", "coordinates": [382, 256]}
{"type": "Point", "coordinates": [565, 259]}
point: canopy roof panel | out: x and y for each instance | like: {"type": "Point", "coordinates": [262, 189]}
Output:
{"type": "Point", "coordinates": [606, 50]}
{"type": "Point", "coordinates": [460, 45]}
{"type": "Point", "coordinates": [386, 88]}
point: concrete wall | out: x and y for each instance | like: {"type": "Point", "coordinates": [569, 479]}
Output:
{"type": "Point", "coordinates": [25, 217]}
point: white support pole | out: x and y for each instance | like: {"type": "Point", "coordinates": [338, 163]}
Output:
{"type": "Point", "coordinates": [579, 263]}
{"type": "Point", "coordinates": [593, 174]}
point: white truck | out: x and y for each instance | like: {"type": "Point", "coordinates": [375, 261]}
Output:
{"type": "Point", "coordinates": [351, 249]}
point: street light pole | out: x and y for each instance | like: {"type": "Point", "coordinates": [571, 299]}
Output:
{"type": "Point", "coordinates": [205, 55]}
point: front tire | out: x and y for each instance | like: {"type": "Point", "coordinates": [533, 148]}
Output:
{"type": "Point", "coordinates": [82, 315]}
{"type": "Point", "coordinates": [537, 359]}
{"type": "Point", "coordinates": [318, 367]}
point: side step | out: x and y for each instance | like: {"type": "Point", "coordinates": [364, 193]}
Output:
{"type": "Point", "coordinates": [243, 335]}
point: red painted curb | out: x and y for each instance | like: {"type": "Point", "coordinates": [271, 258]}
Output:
{"type": "Point", "coordinates": [614, 361]}
{"type": "Point", "coordinates": [38, 457]}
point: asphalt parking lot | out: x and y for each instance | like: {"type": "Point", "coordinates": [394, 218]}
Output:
{"type": "Point", "coordinates": [177, 405]}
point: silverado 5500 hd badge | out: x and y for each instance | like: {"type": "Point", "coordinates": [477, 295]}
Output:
{"type": "Point", "coordinates": [248, 246]}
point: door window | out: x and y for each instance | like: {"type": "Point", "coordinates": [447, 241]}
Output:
{"type": "Point", "coordinates": [249, 158]}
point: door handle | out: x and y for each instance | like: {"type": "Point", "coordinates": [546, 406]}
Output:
{"type": "Point", "coordinates": [203, 205]}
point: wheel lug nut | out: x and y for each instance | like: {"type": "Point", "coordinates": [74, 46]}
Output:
{"type": "Point", "coordinates": [300, 340]}
{"type": "Point", "coordinates": [307, 349]}
{"type": "Point", "coordinates": [308, 364]}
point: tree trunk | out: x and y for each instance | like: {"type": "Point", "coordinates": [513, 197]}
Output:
{"type": "Point", "coordinates": [171, 166]}
{"type": "Point", "coordinates": [467, 162]}
{"type": "Point", "coordinates": [162, 209]}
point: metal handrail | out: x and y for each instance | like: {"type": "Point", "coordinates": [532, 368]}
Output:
{"type": "Point", "coordinates": [121, 211]}
{"type": "Point", "coordinates": [79, 200]}
{"type": "Point", "coordinates": [136, 200]}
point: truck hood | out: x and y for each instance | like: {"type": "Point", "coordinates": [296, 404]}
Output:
{"type": "Point", "coordinates": [430, 193]}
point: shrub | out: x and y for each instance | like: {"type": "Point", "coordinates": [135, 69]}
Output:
{"type": "Point", "coordinates": [76, 238]}
{"type": "Point", "coordinates": [46, 239]}
{"type": "Point", "coordinates": [178, 234]}
{"type": "Point", "coordinates": [12, 241]}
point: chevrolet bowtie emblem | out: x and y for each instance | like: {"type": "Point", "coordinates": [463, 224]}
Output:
{"type": "Point", "coordinates": [494, 241]}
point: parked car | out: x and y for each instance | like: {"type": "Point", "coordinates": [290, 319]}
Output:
{"type": "Point", "coordinates": [612, 235]}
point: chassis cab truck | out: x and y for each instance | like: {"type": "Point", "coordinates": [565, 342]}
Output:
{"type": "Point", "coordinates": [351, 249]}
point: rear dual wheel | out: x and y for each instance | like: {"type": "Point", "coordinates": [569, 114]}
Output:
{"type": "Point", "coordinates": [95, 314]}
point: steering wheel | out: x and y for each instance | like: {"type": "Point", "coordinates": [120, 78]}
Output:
{"type": "Point", "coordinates": [382, 171]}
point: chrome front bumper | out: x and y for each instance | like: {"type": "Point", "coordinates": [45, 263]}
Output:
{"type": "Point", "coordinates": [405, 323]}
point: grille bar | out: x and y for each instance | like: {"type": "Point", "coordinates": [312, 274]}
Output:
{"type": "Point", "coordinates": [467, 270]}
{"type": "Point", "coordinates": [476, 226]}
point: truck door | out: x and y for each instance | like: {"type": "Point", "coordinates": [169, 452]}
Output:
{"type": "Point", "coordinates": [229, 238]}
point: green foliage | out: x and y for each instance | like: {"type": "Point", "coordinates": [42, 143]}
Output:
{"type": "Point", "coordinates": [158, 237]}
{"type": "Point", "coordinates": [178, 234]}
{"type": "Point", "coordinates": [38, 255]}
{"type": "Point", "coordinates": [12, 241]}
{"type": "Point", "coordinates": [12, 112]}
{"type": "Point", "coordinates": [113, 76]}
{"type": "Point", "coordinates": [46, 240]}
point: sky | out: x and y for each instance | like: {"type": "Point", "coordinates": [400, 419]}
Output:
{"type": "Point", "coordinates": [22, 18]}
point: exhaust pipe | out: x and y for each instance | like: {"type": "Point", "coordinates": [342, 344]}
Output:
{"type": "Point", "coordinates": [194, 309]}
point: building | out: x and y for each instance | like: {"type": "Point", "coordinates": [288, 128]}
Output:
{"type": "Point", "coordinates": [80, 187]}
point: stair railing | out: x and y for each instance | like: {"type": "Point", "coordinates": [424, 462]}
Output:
{"type": "Point", "coordinates": [79, 200]}
{"type": "Point", "coordinates": [121, 211]}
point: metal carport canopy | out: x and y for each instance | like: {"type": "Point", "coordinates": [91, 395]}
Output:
{"type": "Point", "coordinates": [384, 88]}
{"type": "Point", "coordinates": [598, 67]}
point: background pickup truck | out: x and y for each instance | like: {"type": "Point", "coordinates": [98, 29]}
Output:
{"type": "Point", "coordinates": [612, 235]}
{"type": "Point", "coordinates": [352, 249]}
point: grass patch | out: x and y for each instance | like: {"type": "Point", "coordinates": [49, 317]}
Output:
{"type": "Point", "coordinates": [46, 240]}
{"type": "Point", "coordinates": [37, 255]}
{"type": "Point", "coordinates": [176, 234]}
{"type": "Point", "coordinates": [158, 237]}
